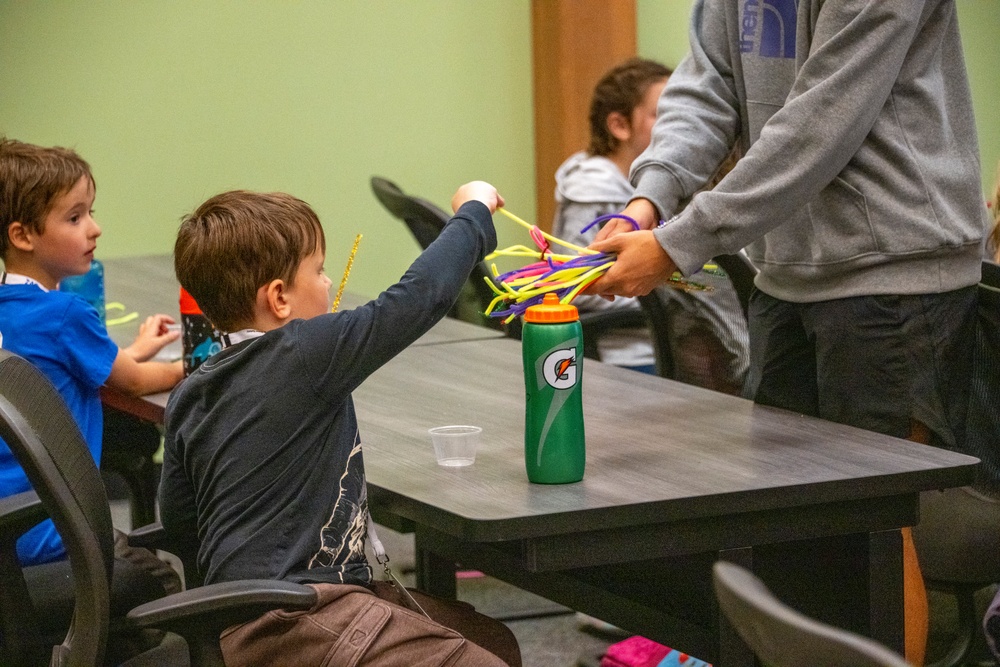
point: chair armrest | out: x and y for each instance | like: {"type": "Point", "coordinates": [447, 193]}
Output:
{"type": "Point", "coordinates": [20, 512]}
{"type": "Point", "coordinates": [22, 642]}
{"type": "Point", "coordinates": [596, 323]}
{"type": "Point", "coordinates": [200, 615]}
{"type": "Point", "coordinates": [152, 536]}
{"type": "Point", "coordinates": [221, 605]}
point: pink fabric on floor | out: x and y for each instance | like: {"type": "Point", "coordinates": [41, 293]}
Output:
{"type": "Point", "coordinates": [641, 652]}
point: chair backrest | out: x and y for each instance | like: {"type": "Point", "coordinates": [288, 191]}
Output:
{"type": "Point", "coordinates": [983, 424]}
{"type": "Point", "coordinates": [660, 327]}
{"type": "Point", "coordinates": [741, 272]}
{"type": "Point", "coordinates": [727, 319]}
{"type": "Point", "coordinates": [43, 436]}
{"type": "Point", "coordinates": [425, 222]}
{"type": "Point", "coordinates": [782, 637]}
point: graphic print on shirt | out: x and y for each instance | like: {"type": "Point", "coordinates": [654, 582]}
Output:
{"type": "Point", "coordinates": [770, 25]}
{"type": "Point", "coordinates": [342, 538]}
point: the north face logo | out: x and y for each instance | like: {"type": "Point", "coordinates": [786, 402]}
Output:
{"type": "Point", "coordinates": [769, 25]}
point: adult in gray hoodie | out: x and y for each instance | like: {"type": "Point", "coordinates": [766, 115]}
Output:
{"type": "Point", "coordinates": [857, 197]}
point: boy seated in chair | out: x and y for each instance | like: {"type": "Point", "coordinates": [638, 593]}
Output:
{"type": "Point", "coordinates": [48, 233]}
{"type": "Point", "coordinates": [263, 458]}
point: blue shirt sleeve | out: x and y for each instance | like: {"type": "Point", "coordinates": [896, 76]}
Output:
{"type": "Point", "coordinates": [90, 352]}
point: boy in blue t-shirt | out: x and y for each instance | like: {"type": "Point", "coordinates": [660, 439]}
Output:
{"type": "Point", "coordinates": [47, 233]}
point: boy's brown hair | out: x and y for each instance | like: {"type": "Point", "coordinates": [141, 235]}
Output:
{"type": "Point", "coordinates": [621, 90]}
{"type": "Point", "coordinates": [31, 179]}
{"type": "Point", "coordinates": [237, 242]}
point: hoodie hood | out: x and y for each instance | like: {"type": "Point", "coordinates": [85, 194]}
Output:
{"type": "Point", "coordinates": [591, 179]}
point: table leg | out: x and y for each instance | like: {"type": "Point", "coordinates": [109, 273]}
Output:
{"type": "Point", "coordinates": [435, 573]}
{"type": "Point", "coordinates": [885, 589]}
{"type": "Point", "coordinates": [853, 582]}
{"type": "Point", "coordinates": [129, 445]}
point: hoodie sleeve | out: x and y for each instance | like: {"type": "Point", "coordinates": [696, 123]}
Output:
{"type": "Point", "coordinates": [697, 119]}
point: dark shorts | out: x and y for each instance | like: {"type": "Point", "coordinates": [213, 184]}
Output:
{"type": "Point", "coordinates": [895, 364]}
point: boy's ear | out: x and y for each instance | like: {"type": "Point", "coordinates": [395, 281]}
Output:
{"type": "Point", "coordinates": [619, 125]}
{"type": "Point", "coordinates": [19, 237]}
{"type": "Point", "coordinates": [275, 297]}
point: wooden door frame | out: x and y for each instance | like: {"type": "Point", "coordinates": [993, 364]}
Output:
{"type": "Point", "coordinates": [574, 42]}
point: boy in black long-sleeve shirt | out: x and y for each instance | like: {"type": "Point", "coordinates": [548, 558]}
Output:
{"type": "Point", "coordinates": [262, 452]}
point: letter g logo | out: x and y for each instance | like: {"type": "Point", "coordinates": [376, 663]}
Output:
{"type": "Point", "coordinates": [559, 369]}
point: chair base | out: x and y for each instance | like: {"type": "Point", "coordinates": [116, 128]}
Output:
{"type": "Point", "coordinates": [968, 628]}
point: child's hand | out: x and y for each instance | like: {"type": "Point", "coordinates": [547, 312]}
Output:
{"type": "Point", "coordinates": [153, 337]}
{"type": "Point", "coordinates": [480, 191]}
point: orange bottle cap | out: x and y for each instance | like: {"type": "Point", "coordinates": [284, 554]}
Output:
{"type": "Point", "coordinates": [551, 311]}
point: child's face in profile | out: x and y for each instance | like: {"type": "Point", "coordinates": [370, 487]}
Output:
{"type": "Point", "coordinates": [644, 117]}
{"type": "Point", "coordinates": [309, 295]}
{"type": "Point", "coordinates": [67, 244]}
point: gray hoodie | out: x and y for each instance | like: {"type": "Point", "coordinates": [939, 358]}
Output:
{"type": "Point", "coordinates": [860, 172]}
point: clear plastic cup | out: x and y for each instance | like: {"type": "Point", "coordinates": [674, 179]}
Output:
{"type": "Point", "coordinates": [455, 446]}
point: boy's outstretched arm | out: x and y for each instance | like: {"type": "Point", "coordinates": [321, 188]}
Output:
{"type": "Point", "coordinates": [146, 377]}
{"type": "Point", "coordinates": [153, 337]}
{"type": "Point", "coordinates": [384, 327]}
{"type": "Point", "coordinates": [478, 191]}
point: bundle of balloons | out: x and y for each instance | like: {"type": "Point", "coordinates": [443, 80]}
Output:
{"type": "Point", "coordinates": [565, 275]}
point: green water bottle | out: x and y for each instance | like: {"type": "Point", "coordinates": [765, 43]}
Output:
{"type": "Point", "coordinates": [552, 349]}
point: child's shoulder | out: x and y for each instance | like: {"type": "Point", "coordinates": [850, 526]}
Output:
{"type": "Point", "coordinates": [65, 307]}
{"type": "Point", "coordinates": [66, 314]}
{"type": "Point", "coordinates": [28, 300]}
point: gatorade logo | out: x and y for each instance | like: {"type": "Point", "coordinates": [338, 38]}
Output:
{"type": "Point", "coordinates": [559, 369]}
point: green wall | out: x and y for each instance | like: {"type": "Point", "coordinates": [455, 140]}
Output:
{"type": "Point", "coordinates": [980, 24]}
{"type": "Point", "coordinates": [172, 102]}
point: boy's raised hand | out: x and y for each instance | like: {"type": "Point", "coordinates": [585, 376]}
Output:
{"type": "Point", "coordinates": [153, 337]}
{"type": "Point", "coordinates": [480, 191]}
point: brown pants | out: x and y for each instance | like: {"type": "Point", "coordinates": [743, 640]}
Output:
{"type": "Point", "coordinates": [353, 626]}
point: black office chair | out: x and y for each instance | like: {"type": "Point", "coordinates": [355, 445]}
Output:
{"type": "Point", "coordinates": [44, 438]}
{"type": "Point", "coordinates": [782, 637]}
{"type": "Point", "coordinates": [983, 426]}
{"type": "Point", "coordinates": [655, 308]}
{"type": "Point", "coordinates": [958, 537]}
{"type": "Point", "coordinates": [425, 221]}
{"type": "Point", "coordinates": [662, 313]}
